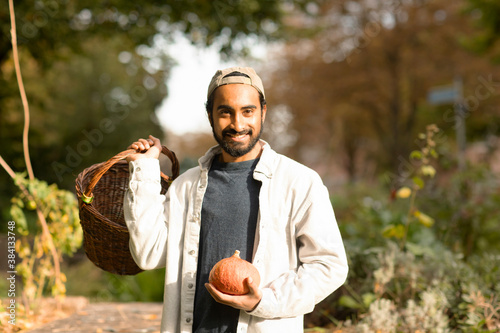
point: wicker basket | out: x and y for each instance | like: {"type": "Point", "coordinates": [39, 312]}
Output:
{"type": "Point", "coordinates": [100, 190]}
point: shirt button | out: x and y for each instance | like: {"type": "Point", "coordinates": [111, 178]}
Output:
{"type": "Point", "coordinates": [188, 320]}
{"type": "Point", "coordinates": [196, 217]}
{"type": "Point", "coordinates": [190, 286]}
{"type": "Point", "coordinates": [192, 252]}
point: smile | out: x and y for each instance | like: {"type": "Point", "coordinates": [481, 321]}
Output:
{"type": "Point", "coordinates": [239, 137]}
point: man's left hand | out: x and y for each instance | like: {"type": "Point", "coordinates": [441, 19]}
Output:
{"type": "Point", "coordinates": [247, 302]}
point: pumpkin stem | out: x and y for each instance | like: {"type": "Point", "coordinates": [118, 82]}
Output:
{"type": "Point", "coordinates": [236, 254]}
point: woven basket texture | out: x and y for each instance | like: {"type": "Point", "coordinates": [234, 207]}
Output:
{"type": "Point", "coordinates": [105, 234]}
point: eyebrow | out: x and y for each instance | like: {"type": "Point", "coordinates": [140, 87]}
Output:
{"type": "Point", "coordinates": [224, 106]}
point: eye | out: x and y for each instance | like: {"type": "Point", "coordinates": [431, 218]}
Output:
{"type": "Point", "coordinates": [224, 112]}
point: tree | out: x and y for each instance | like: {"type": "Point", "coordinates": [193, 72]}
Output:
{"type": "Point", "coordinates": [486, 15]}
{"type": "Point", "coordinates": [358, 88]}
{"type": "Point", "coordinates": [95, 72]}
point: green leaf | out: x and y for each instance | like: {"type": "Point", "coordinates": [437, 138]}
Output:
{"type": "Point", "coordinates": [416, 155]}
{"type": "Point", "coordinates": [31, 205]}
{"type": "Point", "coordinates": [349, 302]}
{"type": "Point", "coordinates": [394, 231]}
{"type": "Point", "coordinates": [18, 216]}
{"type": "Point", "coordinates": [17, 201]}
{"type": "Point", "coordinates": [419, 182]}
{"type": "Point", "coordinates": [415, 248]}
{"type": "Point", "coordinates": [368, 299]}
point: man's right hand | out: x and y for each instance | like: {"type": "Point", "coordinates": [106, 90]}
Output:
{"type": "Point", "coordinates": [146, 148]}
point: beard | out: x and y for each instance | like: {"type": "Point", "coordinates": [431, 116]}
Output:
{"type": "Point", "coordinates": [237, 149]}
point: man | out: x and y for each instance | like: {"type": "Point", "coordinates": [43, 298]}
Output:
{"type": "Point", "coordinates": [242, 196]}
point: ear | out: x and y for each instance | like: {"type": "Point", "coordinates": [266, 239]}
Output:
{"type": "Point", "coordinates": [264, 111]}
{"type": "Point", "coordinates": [211, 119]}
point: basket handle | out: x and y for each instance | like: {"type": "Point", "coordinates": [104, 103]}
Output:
{"type": "Point", "coordinates": [87, 195]}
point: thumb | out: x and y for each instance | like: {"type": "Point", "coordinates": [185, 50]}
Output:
{"type": "Point", "coordinates": [251, 285]}
{"type": "Point", "coordinates": [155, 149]}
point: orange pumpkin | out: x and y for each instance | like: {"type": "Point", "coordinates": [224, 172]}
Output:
{"type": "Point", "coordinates": [229, 274]}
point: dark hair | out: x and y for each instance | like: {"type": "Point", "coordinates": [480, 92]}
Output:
{"type": "Point", "coordinates": [209, 105]}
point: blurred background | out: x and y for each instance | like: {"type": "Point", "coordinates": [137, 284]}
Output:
{"type": "Point", "coordinates": [395, 103]}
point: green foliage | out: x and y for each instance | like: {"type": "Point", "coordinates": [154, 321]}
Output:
{"type": "Point", "coordinates": [95, 73]}
{"type": "Point", "coordinates": [486, 14]}
{"type": "Point", "coordinates": [392, 216]}
{"type": "Point", "coordinates": [432, 291]}
{"type": "Point", "coordinates": [466, 211]}
{"type": "Point", "coordinates": [41, 253]}
{"type": "Point", "coordinates": [146, 286]}
{"type": "Point", "coordinates": [422, 169]}
{"type": "Point", "coordinates": [47, 26]}
{"type": "Point", "coordinates": [445, 276]}
{"type": "Point", "coordinates": [362, 212]}
{"type": "Point", "coordinates": [101, 286]}
{"type": "Point", "coordinates": [416, 289]}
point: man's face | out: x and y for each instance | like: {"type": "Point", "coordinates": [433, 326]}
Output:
{"type": "Point", "coordinates": [237, 121]}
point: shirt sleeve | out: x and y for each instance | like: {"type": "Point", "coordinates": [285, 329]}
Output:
{"type": "Point", "coordinates": [322, 264]}
{"type": "Point", "coordinates": [144, 214]}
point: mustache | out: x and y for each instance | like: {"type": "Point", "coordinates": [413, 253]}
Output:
{"type": "Point", "coordinates": [234, 132]}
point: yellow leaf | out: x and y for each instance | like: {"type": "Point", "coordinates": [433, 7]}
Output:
{"type": "Point", "coordinates": [428, 170]}
{"type": "Point", "coordinates": [31, 205]}
{"type": "Point", "coordinates": [396, 231]}
{"type": "Point", "coordinates": [404, 192]}
{"type": "Point", "coordinates": [424, 219]}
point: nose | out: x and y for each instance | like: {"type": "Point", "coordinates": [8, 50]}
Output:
{"type": "Point", "coordinates": [238, 122]}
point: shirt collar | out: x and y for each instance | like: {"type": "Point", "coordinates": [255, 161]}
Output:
{"type": "Point", "coordinates": [265, 165]}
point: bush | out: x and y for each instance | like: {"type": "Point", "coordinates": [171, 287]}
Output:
{"type": "Point", "coordinates": [427, 290]}
{"type": "Point", "coordinates": [412, 271]}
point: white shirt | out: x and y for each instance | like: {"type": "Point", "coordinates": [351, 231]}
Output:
{"type": "Point", "coordinates": [298, 247]}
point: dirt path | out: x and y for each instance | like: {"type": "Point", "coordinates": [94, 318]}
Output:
{"type": "Point", "coordinates": [108, 317]}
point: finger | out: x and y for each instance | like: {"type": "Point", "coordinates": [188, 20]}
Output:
{"type": "Point", "coordinates": [211, 289]}
{"type": "Point", "coordinates": [214, 292]}
{"type": "Point", "coordinates": [154, 141]}
{"type": "Point", "coordinates": [144, 144]}
{"type": "Point", "coordinates": [137, 146]}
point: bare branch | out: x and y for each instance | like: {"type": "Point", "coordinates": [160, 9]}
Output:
{"type": "Point", "coordinates": [24, 99]}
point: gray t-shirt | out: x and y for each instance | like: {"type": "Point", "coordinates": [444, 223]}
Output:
{"type": "Point", "coordinates": [228, 223]}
